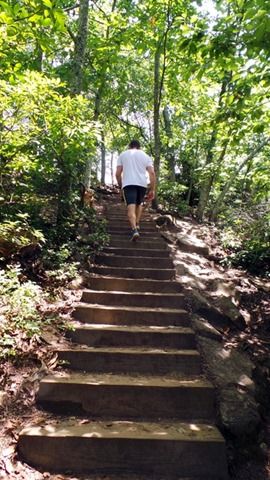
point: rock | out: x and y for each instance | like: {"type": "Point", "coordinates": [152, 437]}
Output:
{"type": "Point", "coordinates": [227, 367]}
{"type": "Point", "coordinates": [203, 307]}
{"type": "Point", "coordinates": [181, 268]}
{"type": "Point", "coordinates": [221, 287]}
{"type": "Point", "coordinates": [227, 307]}
{"type": "Point", "coordinates": [3, 398]}
{"type": "Point", "coordinates": [220, 312]}
{"type": "Point", "coordinates": [169, 237]}
{"type": "Point", "coordinates": [204, 328]}
{"type": "Point", "coordinates": [231, 373]}
{"type": "Point", "coordinates": [239, 413]}
{"type": "Point", "coordinates": [164, 221]}
{"type": "Point", "coordinates": [191, 244]}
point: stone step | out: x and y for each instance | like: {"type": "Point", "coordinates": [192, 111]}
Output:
{"type": "Point", "coordinates": [120, 217]}
{"type": "Point", "coordinates": [127, 229]}
{"type": "Point", "coordinates": [131, 252]}
{"type": "Point", "coordinates": [150, 299]}
{"type": "Point", "coordinates": [132, 336]}
{"type": "Point", "coordinates": [133, 285]}
{"type": "Point", "coordinates": [172, 449]}
{"type": "Point", "coordinates": [153, 273]}
{"type": "Point", "coordinates": [127, 396]}
{"type": "Point", "coordinates": [143, 244]}
{"type": "Point", "coordinates": [132, 360]}
{"type": "Point", "coordinates": [124, 222]}
{"type": "Point", "coordinates": [117, 315]}
{"type": "Point", "coordinates": [155, 235]}
{"type": "Point", "coordinates": [136, 262]}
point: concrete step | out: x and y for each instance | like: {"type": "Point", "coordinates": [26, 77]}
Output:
{"type": "Point", "coordinates": [136, 262]}
{"type": "Point", "coordinates": [132, 360]}
{"type": "Point", "coordinates": [134, 285]}
{"type": "Point", "coordinates": [127, 396]}
{"type": "Point", "coordinates": [117, 315]}
{"type": "Point", "coordinates": [131, 272]}
{"type": "Point", "coordinates": [131, 252]}
{"type": "Point", "coordinates": [121, 242]}
{"type": "Point", "coordinates": [172, 449]}
{"type": "Point", "coordinates": [95, 335]}
{"type": "Point", "coordinates": [132, 299]}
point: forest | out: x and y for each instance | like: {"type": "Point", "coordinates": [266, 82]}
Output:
{"type": "Point", "coordinates": [190, 80]}
{"type": "Point", "coordinates": [79, 79]}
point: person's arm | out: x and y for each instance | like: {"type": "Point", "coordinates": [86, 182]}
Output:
{"type": "Point", "coordinates": [152, 178]}
{"type": "Point", "coordinates": [118, 175]}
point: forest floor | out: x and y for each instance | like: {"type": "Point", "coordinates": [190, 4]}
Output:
{"type": "Point", "coordinates": [20, 377]}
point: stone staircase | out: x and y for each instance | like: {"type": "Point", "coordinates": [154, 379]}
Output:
{"type": "Point", "coordinates": [134, 373]}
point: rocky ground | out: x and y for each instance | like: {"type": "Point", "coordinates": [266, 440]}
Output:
{"type": "Point", "coordinates": [230, 314]}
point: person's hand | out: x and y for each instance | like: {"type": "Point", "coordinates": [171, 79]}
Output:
{"type": "Point", "coordinates": [150, 196]}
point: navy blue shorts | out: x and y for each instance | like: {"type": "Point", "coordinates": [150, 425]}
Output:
{"type": "Point", "coordinates": [134, 194]}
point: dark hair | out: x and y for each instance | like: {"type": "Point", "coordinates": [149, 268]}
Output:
{"type": "Point", "coordinates": [134, 144]}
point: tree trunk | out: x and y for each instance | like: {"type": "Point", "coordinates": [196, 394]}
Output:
{"type": "Point", "coordinates": [64, 191]}
{"type": "Point", "coordinates": [112, 171]}
{"type": "Point", "coordinates": [103, 158]}
{"type": "Point", "coordinates": [170, 148]}
{"type": "Point", "coordinates": [38, 59]}
{"type": "Point", "coordinates": [208, 182]}
{"type": "Point", "coordinates": [157, 143]}
{"type": "Point", "coordinates": [97, 105]}
{"type": "Point", "coordinates": [80, 47]}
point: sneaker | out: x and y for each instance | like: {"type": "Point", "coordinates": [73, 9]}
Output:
{"type": "Point", "coordinates": [134, 235]}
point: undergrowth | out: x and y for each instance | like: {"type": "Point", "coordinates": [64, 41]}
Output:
{"type": "Point", "coordinates": [32, 277]}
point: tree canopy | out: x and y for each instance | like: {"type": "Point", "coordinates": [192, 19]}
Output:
{"type": "Point", "coordinates": [80, 79]}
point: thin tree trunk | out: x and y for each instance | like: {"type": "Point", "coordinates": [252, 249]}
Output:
{"type": "Point", "coordinates": [112, 171]}
{"type": "Point", "coordinates": [170, 148]}
{"type": "Point", "coordinates": [191, 175]}
{"type": "Point", "coordinates": [39, 59]}
{"type": "Point", "coordinates": [80, 47]}
{"type": "Point", "coordinates": [208, 182]}
{"type": "Point", "coordinates": [64, 191]}
{"type": "Point", "coordinates": [103, 158]}
{"type": "Point", "coordinates": [234, 174]}
{"type": "Point", "coordinates": [157, 143]}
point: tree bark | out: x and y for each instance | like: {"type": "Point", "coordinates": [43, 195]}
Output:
{"type": "Point", "coordinates": [112, 171]}
{"type": "Point", "coordinates": [157, 143]}
{"type": "Point", "coordinates": [208, 182]}
{"type": "Point", "coordinates": [103, 158]}
{"type": "Point", "coordinates": [80, 47]}
{"type": "Point", "coordinates": [170, 148]}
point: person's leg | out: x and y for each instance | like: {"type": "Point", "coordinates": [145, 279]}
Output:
{"type": "Point", "coordinates": [139, 210]}
{"type": "Point", "coordinates": [131, 212]}
{"type": "Point", "coordinates": [130, 196]}
{"type": "Point", "coordinates": [139, 204]}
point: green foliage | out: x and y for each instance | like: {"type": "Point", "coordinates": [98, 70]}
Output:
{"type": "Point", "coordinates": [246, 236]}
{"type": "Point", "coordinates": [85, 235]}
{"type": "Point", "coordinates": [171, 197]}
{"type": "Point", "coordinates": [17, 234]}
{"type": "Point", "coordinates": [19, 300]}
{"type": "Point", "coordinates": [44, 143]}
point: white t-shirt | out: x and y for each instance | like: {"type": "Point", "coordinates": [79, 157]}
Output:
{"type": "Point", "coordinates": [134, 163]}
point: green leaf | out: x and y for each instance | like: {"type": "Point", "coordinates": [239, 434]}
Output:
{"type": "Point", "coordinates": [47, 22]}
{"type": "Point", "coordinates": [48, 3]}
